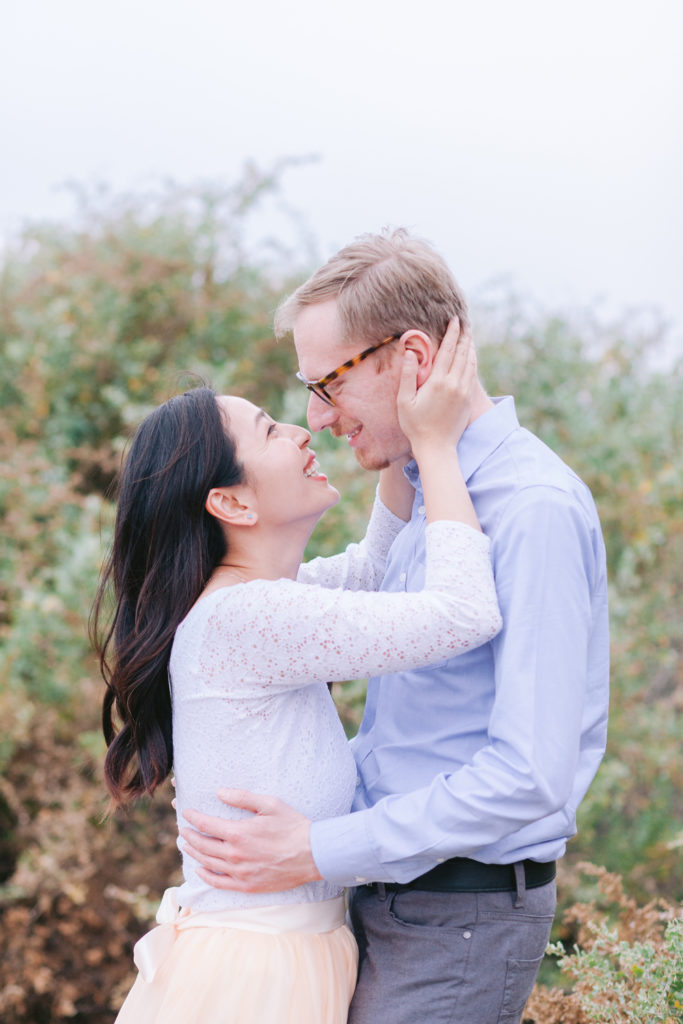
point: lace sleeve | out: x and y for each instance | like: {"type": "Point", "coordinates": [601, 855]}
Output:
{"type": "Point", "coordinates": [361, 566]}
{"type": "Point", "coordinates": [286, 634]}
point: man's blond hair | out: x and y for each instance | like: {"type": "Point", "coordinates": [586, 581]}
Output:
{"type": "Point", "coordinates": [384, 284]}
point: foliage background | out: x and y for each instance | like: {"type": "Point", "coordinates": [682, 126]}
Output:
{"type": "Point", "coordinates": [103, 319]}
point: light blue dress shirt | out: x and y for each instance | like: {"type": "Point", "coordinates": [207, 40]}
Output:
{"type": "Point", "coordinates": [489, 754]}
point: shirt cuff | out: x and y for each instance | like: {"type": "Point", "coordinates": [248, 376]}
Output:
{"type": "Point", "coordinates": [470, 533]}
{"type": "Point", "coordinates": [383, 521]}
{"type": "Point", "coordinates": [342, 850]}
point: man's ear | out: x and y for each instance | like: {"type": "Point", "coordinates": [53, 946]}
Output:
{"type": "Point", "coordinates": [231, 506]}
{"type": "Point", "coordinates": [425, 350]}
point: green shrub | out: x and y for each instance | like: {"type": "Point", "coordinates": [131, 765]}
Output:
{"type": "Point", "coordinates": [102, 321]}
{"type": "Point", "coordinates": [626, 966]}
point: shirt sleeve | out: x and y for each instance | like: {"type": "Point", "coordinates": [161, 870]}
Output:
{"type": "Point", "coordinates": [283, 634]}
{"type": "Point", "coordinates": [361, 566]}
{"type": "Point", "coordinates": [549, 565]}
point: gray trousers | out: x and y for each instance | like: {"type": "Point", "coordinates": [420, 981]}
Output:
{"type": "Point", "coordinates": [446, 957]}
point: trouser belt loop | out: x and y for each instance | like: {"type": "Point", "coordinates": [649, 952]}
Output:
{"type": "Point", "coordinates": [381, 891]}
{"type": "Point", "coordinates": [520, 883]}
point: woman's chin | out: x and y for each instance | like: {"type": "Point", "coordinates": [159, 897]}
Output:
{"type": "Point", "coordinates": [331, 499]}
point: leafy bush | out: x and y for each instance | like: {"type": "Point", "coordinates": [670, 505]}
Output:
{"type": "Point", "coordinates": [625, 968]}
{"type": "Point", "coordinates": [100, 322]}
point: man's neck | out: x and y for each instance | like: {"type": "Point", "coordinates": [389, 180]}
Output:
{"type": "Point", "coordinates": [481, 403]}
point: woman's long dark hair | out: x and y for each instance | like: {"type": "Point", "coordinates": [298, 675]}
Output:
{"type": "Point", "coordinates": [166, 545]}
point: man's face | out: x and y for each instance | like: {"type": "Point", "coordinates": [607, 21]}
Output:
{"type": "Point", "coordinates": [365, 399]}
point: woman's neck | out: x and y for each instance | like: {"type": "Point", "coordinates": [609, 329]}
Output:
{"type": "Point", "coordinates": [264, 554]}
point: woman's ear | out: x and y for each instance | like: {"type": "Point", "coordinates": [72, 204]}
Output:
{"type": "Point", "coordinates": [424, 349]}
{"type": "Point", "coordinates": [230, 507]}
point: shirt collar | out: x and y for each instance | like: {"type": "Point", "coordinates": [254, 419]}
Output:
{"type": "Point", "coordinates": [480, 439]}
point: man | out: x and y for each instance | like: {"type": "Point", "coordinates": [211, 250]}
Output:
{"type": "Point", "coordinates": [469, 772]}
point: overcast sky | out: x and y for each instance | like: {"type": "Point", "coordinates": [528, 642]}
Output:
{"type": "Point", "coordinates": [533, 141]}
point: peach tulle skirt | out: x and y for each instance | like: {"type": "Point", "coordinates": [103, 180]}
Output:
{"type": "Point", "coordinates": [291, 964]}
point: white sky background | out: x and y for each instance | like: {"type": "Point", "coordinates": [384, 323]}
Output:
{"type": "Point", "coordinates": [529, 140]}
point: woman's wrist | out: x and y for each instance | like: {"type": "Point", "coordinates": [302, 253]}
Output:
{"type": "Point", "coordinates": [442, 453]}
{"type": "Point", "coordinates": [444, 488]}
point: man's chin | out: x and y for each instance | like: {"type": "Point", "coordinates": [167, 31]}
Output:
{"type": "Point", "coordinates": [372, 463]}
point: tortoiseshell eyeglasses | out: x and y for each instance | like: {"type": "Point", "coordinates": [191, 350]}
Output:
{"type": "Point", "coordinates": [318, 386]}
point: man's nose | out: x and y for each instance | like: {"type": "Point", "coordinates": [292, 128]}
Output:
{"type": "Point", "coordinates": [319, 414]}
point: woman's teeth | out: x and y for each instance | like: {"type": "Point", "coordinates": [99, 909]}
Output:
{"type": "Point", "coordinates": [313, 469]}
{"type": "Point", "coordinates": [350, 436]}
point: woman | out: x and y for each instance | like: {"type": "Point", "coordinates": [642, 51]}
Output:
{"type": "Point", "coordinates": [219, 657]}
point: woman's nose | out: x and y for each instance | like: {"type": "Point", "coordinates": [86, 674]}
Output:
{"type": "Point", "coordinates": [304, 436]}
{"type": "Point", "coordinates": [300, 435]}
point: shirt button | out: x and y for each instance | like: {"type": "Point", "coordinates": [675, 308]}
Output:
{"type": "Point", "coordinates": [361, 880]}
{"type": "Point", "coordinates": [467, 935]}
{"type": "Point", "coordinates": [403, 577]}
{"type": "Point", "coordinates": [440, 860]}
{"type": "Point", "coordinates": [421, 510]}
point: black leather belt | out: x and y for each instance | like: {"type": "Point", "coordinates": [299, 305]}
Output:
{"type": "Point", "coordinates": [460, 874]}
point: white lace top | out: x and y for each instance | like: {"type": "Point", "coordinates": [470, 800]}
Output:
{"type": "Point", "coordinates": [250, 663]}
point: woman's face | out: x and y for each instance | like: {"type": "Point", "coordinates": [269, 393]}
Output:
{"type": "Point", "coordinates": [282, 473]}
